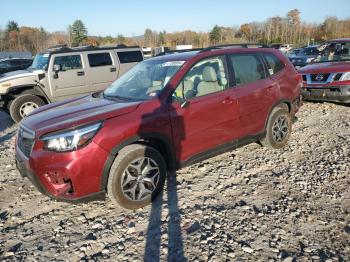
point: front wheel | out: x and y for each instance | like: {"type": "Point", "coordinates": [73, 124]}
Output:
{"type": "Point", "coordinates": [278, 129]}
{"type": "Point", "coordinates": [136, 177]}
{"type": "Point", "coordinates": [23, 105]}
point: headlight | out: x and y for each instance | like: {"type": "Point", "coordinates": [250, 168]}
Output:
{"type": "Point", "coordinates": [309, 60]}
{"type": "Point", "coordinates": [70, 140]}
{"type": "Point", "coordinates": [345, 77]}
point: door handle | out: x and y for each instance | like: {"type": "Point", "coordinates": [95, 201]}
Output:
{"type": "Point", "coordinates": [81, 73]}
{"type": "Point", "coordinates": [113, 69]}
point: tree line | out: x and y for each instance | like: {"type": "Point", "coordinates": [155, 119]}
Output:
{"type": "Point", "coordinates": [287, 29]}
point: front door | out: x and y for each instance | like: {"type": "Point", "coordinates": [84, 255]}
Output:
{"type": "Point", "coordinates": [70, 81]}
{"type": "Point", "coordinates": [208, 119]}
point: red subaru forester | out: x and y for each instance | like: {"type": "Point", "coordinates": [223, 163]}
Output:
{"type": "Point", "coordinates": [165, 113]}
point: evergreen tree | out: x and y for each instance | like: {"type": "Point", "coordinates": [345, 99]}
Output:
{"type": "Point", "coordinates": [215, 34]}
{"type": "Point", "coordinates": [78, 33]}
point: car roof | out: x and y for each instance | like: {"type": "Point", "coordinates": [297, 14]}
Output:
{"type": "Point", "coordinates": [14, 58]}
{"type": "Point", "coordinates": [65, 49]}
{"type": "Point", "coordinates": [181, 56]}
{"type": "Point", "coordinates": [339, 40]}
{"type": "Point", "coordinates": [211, 51]}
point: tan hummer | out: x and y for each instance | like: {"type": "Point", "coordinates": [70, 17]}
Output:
{"type": "Point", "coordinates": [62, 72]}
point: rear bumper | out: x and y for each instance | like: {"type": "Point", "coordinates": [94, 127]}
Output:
{"type": "Point", "coordinates": [340, 94]}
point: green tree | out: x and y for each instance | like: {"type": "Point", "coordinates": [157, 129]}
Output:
{"type": "Point", "coordinates": [12, 26]}
{"type": "Point", "coordinates": [120, 39]}
{"type": "Point", "coordinates": [78, 33]}
{"type": "Point", "coordinates": [215, 35]}
{"type": "Point", "coordinates": [161, 38]}
{"type": "Point", "coordinates": [148, 36]}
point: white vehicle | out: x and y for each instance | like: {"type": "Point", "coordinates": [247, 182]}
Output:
{"type": "Point", "coordinates": [285, 48]}
{"type": "Point", "coordinates": [60, 73]}
{"type": "Point", "coordinates": [183, 47]}
{"type": "Point", "coordinates": [147, 52]}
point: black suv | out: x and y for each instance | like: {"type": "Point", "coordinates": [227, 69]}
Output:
{"type": "Point", "coordinates": [13, 64]}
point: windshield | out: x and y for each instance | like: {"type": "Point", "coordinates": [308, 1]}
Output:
{"type": "Point", "coordinates": [40, 62]}
{"type": "Point", "coordinates": [309, 51]}
{"type": "Point", "coordinates": [334, 52]}
{"type": "Point", "coordinates": [144, 81]}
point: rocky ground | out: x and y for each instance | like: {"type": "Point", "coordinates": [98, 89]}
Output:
{"type": "Point", "coordinates": [251, 204]}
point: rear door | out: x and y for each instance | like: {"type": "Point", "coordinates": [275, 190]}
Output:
{"type": "Point", "coordinates": [127, 59]}
{"type": "Point", "coordinates": [101, 71]}
{"type": "Point", "coordinates": [255, 91]}
{"type": "Point", "coordinates": [71, 80]}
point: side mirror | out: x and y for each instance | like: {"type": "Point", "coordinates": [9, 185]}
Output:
{"type": "Point", "coordinates": [57, 68]}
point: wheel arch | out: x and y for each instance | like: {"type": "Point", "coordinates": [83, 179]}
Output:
{"type": "Point", "coordinates": [28, 89]}
{"type": "Point", "coordinates": [156, 140]}
{"type": "Point", "coordinates": [281, 103]}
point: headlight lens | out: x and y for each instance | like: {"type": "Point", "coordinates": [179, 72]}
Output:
{"type": "Point", "coordinates": [345, 77]}
{"type": "Point", "coordinates": [70, 140]}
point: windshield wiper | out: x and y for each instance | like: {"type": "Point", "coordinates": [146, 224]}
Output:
{"type": "Point", "coordinates": [116, 97]}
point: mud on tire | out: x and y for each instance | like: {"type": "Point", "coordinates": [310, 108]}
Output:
{"type": "Point", "coordinates": [278, 128]}
{"type": "Point", "coordinates": [136, 177]}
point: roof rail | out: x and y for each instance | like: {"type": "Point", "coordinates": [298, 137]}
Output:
{"type": "Point", "coordinates": [169, 52]}
{"type": "Point", "coordinates": [242, 45]}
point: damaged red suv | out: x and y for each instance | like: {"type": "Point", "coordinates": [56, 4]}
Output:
{"type": "Point", "coordinates": [165, 113]}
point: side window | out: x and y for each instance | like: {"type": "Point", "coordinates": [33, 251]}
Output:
{"type": "Point", "coordinates": [130, 56]}
{"type": "Point", "coordinates": [99, 59]}
{"type": "Point", "coordinates": [4, 64]}
{"type": "Point", "coordinates": [274, 64]}
{"type": "Point", "coordinates": [206, 77]}
{"type": "Point", "coordinates": [68, 62]}
{"type": "Point", "coordinates": [247, 68]}
{"type": "Point", "coordinates": [15, 62]}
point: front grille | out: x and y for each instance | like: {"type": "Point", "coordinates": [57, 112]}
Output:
{"type": "Point", "coordinates": [25, 140]}
{"type": "Point", "coordinates": [337, 77]}
{"type": "Point", "coordinates": [319, 77]}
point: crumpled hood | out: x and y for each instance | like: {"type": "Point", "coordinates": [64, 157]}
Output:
{"type": "Point", "coordinates": [75, 112]}
{"type": "Point", "coordinates": [325, 67]}
{"type": "Point", "coordinates": [16, 74]}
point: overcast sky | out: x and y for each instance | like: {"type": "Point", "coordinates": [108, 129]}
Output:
{"type": "Point", "coordinates": [130, 18]}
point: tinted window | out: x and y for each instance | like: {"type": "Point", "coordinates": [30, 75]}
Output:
{"type": "Point", "coordinates": [130, 56]}
{"type": "Point", "coordinates": [15, 62]}
{"type": "Point", "coordinates": [206, 77]}
{"type": "Point", "coordinates": [68, 62]}
{"type": "Point", "coordinates": [4, 64]}
{"type": "Point", "coordinates": [247, 68]}
{"type": "Point", "coordinates": [274, 64]}
{"type": "Point", "coordinates": [99, 59]}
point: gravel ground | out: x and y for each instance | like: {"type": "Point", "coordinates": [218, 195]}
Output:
{"type": "Point", "coordinates": [251, 204]}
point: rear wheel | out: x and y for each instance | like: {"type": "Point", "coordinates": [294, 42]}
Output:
{"type": "Point", "coordinates": [137, 176]}
{"type": "Point", "coordinates": [23, 105]}
{"type": "Point", "coordinates": [279, 128]}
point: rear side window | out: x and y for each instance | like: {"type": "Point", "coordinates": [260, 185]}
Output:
{"type": "Point", "coordinates": [130, 57]}
{"type": "Point", "coordinates": [99, 59]}
{"type": "Point", "coordinates": [69, 62]}
{"type": "Point", "coordinates": [247, 68]}
{"type": "Point", "coordinates": [274, 64]}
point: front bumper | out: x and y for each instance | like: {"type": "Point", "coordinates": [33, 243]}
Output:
{"type": "Point", "coordinates": [72, 176]}
{"type": "Point", "coordinates": [339, 94]}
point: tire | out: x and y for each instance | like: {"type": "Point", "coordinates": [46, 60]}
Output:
{"type": "Point", "coordinates": [278, 129]}
{"type": "Point", "coordinates": [24, 104]}
{"type": "Point", "coordinates": [126, 182]}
